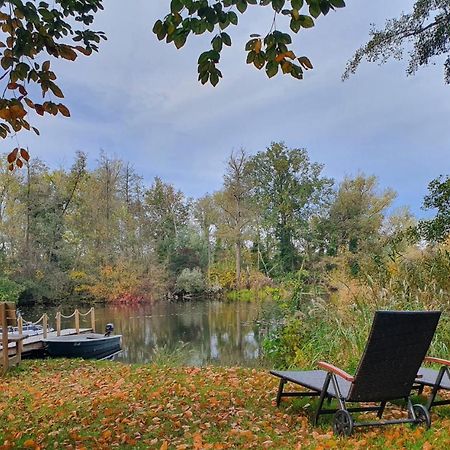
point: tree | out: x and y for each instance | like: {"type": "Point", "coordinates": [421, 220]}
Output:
{"type": "Point", "coordinates": [166, 214]}
{"type": "Point", "coordinates": [356, 215]}
{"type": "Point", "coordinates": [427, 28]}
{"type": "Point", "coordinates": [206, 214]}
{"type": "Point", "coordinates": [235, 202]}
{"type": "Point", "coordinates": [31, 32]}
{"type": "Point", "coordinates": [289, 190]}
{"type": "Point", "coordinates": [437, 229]}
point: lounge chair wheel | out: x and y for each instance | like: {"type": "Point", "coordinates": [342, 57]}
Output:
{"type": "Point", "coordinates": [422, 415]}
{"type": "Point", "coordinates": [342, 423]}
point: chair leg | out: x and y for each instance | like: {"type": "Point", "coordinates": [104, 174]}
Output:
{"type": "Point", "coordinates": [381, 410]}
{"type": "Point", "coordinates": [280, 390]}
{"type": "Point", "coordinates": [323, 394]}
{"type": "Point", "coordinates": [436, 387]}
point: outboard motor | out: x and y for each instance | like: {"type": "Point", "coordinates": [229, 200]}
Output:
{"type": "Point", "coordinates": [109, 329]}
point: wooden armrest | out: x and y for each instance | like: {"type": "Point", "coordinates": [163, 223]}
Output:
{"type": "Point", "coordinates": [330, 368]}
{"type": "Point", "coordinates": [442, 362]}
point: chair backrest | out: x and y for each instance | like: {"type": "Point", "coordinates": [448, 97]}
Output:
{"type": "Point", "coordinates": [396, 347]}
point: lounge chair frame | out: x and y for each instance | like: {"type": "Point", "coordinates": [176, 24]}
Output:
{"type": "Point", "coordinates": [416, 413]}
{"type": "Point", "coordinates": [436, 385]}
{"type": "Point", "coordinates": [396, 346]}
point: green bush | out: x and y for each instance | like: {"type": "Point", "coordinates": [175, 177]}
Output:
{"type": "Point", "coordinates": [10, 291]}
{"type": "Point", "coordinates": [190, 281]}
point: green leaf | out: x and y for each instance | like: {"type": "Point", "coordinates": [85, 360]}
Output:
{"type": "Point", "coordinates": [259, 61]}
{"type": "Point", "coordinates": [324, 7]}
{"type": "Point", "coordinates": [297, 4]}
{"type": "Point", "coordinates": [241, 5]}
{"type": "Point", "coordinates": [176, 6]}
{"type": "Point", "coordinates": [306, 21]}
{"type": "Point", "coordinates": [250, 45]}
{"type": "Point", "coordinates": [217, 43]}
{"type": "Point", "coordinates": [226, 39]}
{"type": "Point", "coordinates": [338, 3]}
{"type": "Point", "coordinates": [214, 78]}
{"type": "Point", "coordinates": [314, 10]}
{"type": "Point", "coordinates": [271, 69]}
{"type": "Point", "coordinates": [233, 18]}
{"type": "Point", "coordinates": [295, 25]}
{"type": "Point", "coordinates": [277, 5]}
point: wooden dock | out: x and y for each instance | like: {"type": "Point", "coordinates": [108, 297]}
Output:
{"type": "Point", "coordinates": [35, 343]}
{"type": "Point", "coordinates": [17, 343]}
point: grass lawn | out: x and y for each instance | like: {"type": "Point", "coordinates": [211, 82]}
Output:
{"type": "Point", "coordinates": [73, 404]}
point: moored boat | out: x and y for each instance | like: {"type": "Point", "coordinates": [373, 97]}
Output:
{"type": "Point", "coordinates": [86, 345]}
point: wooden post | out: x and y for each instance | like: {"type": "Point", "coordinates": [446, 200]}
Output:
{"type": "Point", "coordinates": [20, 325]}
{"type": "Point", "coordinates": [93, 320]}
{"type": "Point", "coordinates": [3, 323]}
{"type": "Point", "coordinates": [45, 325]}
{"type": "Point", "coordinates": [77, 321]}
{"type": "Point", "coordinates": [58, 324]}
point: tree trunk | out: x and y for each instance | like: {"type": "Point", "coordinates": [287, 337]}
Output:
{"type": "Point", "coordinates": [238, 265]}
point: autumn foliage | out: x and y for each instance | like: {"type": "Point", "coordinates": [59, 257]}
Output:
{"type": "Point", "coordinates": [80, 405]}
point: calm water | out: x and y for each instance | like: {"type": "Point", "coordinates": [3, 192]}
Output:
{"type": "Point", "coordinates": [195, 333]}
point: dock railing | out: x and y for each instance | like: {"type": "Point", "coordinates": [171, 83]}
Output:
{"type": "Point", "coordinates": [76, 315]}
{"type": "Point", "coordinates": [44, 319]}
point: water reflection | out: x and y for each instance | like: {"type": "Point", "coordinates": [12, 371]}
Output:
{"type": "Point", "coordinates": [225, 333]}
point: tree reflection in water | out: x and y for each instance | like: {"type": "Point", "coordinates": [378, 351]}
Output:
{"type": "Point", "coordinates": [225, 333]}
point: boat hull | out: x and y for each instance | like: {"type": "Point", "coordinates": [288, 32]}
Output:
{"type": "Point", "coordinates": [89, 346]}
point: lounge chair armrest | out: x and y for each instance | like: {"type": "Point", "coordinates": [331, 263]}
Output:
{"type": "Point", "coordinates": [442, 362]}
{"type": "Point", "coordinates": [330, 368]}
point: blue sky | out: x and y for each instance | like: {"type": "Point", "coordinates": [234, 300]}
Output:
{"type": "Point", "coordinates": [139, 100]}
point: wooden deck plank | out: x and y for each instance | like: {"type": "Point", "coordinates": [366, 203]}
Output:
{"type": "Point", "coordinates": [32, 343]}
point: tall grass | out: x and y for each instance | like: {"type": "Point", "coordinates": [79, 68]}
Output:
{"type": "Point", "coordinates": [335, 327]}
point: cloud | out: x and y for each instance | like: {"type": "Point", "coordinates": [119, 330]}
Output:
{"type": "Point", "coordinates": [139, 99]}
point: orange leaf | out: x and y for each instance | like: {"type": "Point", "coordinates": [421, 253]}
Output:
{"type": "Point", "coordinates": [64, 110]}
{"type": "Point", "coordinates": [24, 154]}
{"type": "Point", "coordinates": [29, 443]}
{"type": "Point", "coordinates": [84, 51]}
{"type": "Point", "coordinates": [258, 45]}
{"type": "Point", "coordinates": [13, 155]}
{"type": "Point", "coordinates": [29, 102]}
{"type": "Point", "coordinates": [19, 163]}
{"type": "Point", "coordinates": [107, 434]}
{"type": "Point", "coordinates": [305, 62]}
{"type": "Point", "coordinates": [17, 111]}
{"type": "Point", "coordinates": [5, 114]}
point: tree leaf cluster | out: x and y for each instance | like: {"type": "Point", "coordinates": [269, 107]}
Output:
{"type": "Point", "coordinates": [33, 31]}
{"type": "Point", "coordinates": [424, 33]}
{"type": "Point", "coordinates": [270, 51]}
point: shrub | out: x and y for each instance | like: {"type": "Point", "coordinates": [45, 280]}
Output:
{"type": "Point", "coordinates": [10, 291]}
{"type": "Point", "coordinates": [190, 281]}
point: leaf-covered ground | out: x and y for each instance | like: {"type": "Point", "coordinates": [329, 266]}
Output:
{"type": "Point", "coordinates": [92, 405]}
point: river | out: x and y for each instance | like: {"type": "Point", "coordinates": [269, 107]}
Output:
{"type": "Point", "coordinates": [195, 333]}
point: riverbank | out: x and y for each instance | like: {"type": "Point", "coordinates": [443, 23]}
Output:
{"type": "Point", "coordinates": [102, 405]}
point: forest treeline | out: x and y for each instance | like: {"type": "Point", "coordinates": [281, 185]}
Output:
{"type": "Point", "coordinates": [103, 234]}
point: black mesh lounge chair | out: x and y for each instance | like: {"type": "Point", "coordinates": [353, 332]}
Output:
{"type": "Point", "coordinates": [396, 347]}
{"type": "Point", "coordinates": [437, 379]}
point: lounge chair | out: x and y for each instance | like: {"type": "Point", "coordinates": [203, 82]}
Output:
{"type": "Point", "coordinates": [437, 379]}
{"type": "Point", "coordinates": [396, 347]}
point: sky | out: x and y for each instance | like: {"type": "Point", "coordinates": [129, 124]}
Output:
{"type": "Point", "coordinates": [138, 99]}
